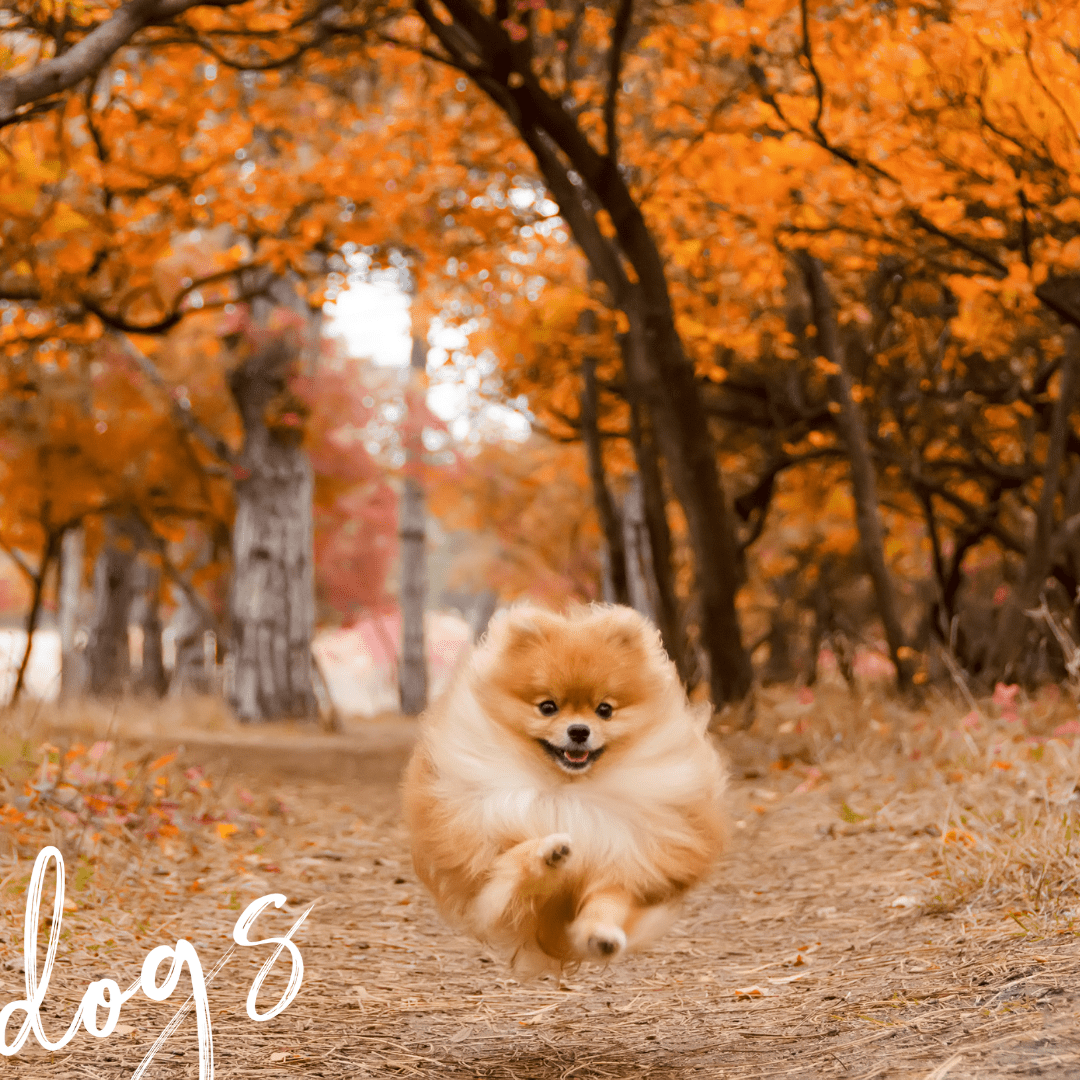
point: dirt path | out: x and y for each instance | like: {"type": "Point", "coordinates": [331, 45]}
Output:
{"type": "Point", "coordinates": [806, 956]}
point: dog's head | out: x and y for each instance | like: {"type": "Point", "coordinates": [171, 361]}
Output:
{"type": "Point", "coordinates": [572, 688]}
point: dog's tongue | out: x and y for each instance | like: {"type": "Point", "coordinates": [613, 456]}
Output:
{"type": "Point", "coordinates": [576, 755]}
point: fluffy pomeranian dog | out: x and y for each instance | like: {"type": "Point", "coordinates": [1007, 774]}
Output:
{"type": "Point", "coordinates": [563, 794]}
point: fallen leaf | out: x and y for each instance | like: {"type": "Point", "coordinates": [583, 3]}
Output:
{"type": "Point", "coordinates": [98, 750]}
{"type": "Point", "coordinates": [813, 776]}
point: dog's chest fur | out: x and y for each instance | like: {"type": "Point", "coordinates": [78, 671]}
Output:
{"type": "Point", "coordinates": [607, 827]}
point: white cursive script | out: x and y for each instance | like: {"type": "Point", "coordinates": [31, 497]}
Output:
{"type": "Point", "coordinates": [106, 995]}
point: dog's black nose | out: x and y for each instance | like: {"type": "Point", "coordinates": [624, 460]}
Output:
{"type": "Point", "coordinates": [578, 733]}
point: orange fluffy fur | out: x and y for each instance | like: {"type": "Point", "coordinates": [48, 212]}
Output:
{"type": "Point", "coordinates": [573, 850]}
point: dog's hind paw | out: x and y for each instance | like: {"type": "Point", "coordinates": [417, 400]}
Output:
{"type": "Point", "coordinates": [554, 850]}
{"type": "Point", "coordinates": [606, 942]}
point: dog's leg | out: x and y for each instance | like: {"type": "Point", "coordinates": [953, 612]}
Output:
{"type": "Point", "coordinates": [599, 930]}
{"type": "Point", "coordinates": [527, 872]}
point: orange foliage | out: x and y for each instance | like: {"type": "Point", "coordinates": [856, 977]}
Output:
{"type": "Point", "coordinates": [926, 152]}
{"type": "Point", "coordinates": [533, 529]}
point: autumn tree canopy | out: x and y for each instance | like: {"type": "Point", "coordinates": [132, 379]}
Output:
{"type": "Point", "coordinates": [749, 261]}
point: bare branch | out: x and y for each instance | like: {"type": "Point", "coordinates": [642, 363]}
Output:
{"type": "Point", "coordinates": [18, 560]}
{"type": "Point", "coordinates": [600, 251]}
{"type": "Point", "coordinates": [174, 317]}
{"type": "Point", "coordinates": [83, 59]}
{"type": "Point", "coordinates": [183, 417]}
{"type": "Point", "coordinates": [819, 86]}
{"type": "Point", "coordinates": [758, 497]}
{"type": "Point", "coordinates": [88, 56]}
{"type": "Point", "coordinates": [321, 35]}
{"type": "Point", "coordinates": [183, 582]}
{"type": "Point", "coordinates": [1059, 293]}
{"type": "Point", "coordinates": [989, 261]}
{"type": "Point", "coordinates": [1046, 89]}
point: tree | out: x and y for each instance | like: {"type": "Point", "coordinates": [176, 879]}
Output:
{"type": "Point", "coordinates": [355, 507]}
{"type": "Point", "coordinates": [610, 518]}
{"type": "Point", "coordinates": [863, 480]}
{"type": "Point", "coordinates": [69, 603]}
{"type": "Point", "coordinates": [698, 155]}
{"type": "Point", "coordinates": [127, 263]}
{"type": "Point", "coordinates": [272, 590]}
{"type": "Point", "coordinates": [412, 669]}
{"type": "Point", "coordinates": [558, 355]}
{"type": "Point", "coordinates": [973, 164]}
{"type": "Point", "coordinates": [516, 62]}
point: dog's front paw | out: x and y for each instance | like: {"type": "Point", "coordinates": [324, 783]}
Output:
{"type": "Point", "coordinates": [554, 850]}
{"type": "Point", "coordinates": [606, 942]}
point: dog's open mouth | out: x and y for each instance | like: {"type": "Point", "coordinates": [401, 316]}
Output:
{"type": "Point", "coordinates": [572, 758]}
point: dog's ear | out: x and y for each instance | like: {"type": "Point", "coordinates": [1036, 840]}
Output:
{"type": "Point", "coordinates": [516, 628]}
{"type": "Point", "coordinates": [625, 637]}
{"type": "Point", "coordinates": [524, 633]}
{"type": "Point", "coordinates": [627, 628]}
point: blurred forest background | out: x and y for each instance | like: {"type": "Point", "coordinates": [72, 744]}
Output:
{"type": "Point", "coordinates": [761, 316]}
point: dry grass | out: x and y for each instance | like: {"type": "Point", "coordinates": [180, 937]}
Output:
{"type": "Point", "coordinates": [897, 902]}
{"type": "Point", "coordinates": [998, 786]}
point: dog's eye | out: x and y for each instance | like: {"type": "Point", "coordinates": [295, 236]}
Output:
{"type": "Point", "coordinates": [603, 710]}
{"type": "Point", "coordinates": [548, 707]}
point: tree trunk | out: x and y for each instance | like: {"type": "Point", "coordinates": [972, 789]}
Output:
{"type": "Point", "coordinates": [151, 680]}
{"type": "Point", "coordinates": [69, 604]}
{"type": "Point", "coordinates": [863, 479]}
{"type": "Point", "coordinates": [412, 670]}
{"type": "Point", "coordinates": [654, 506]}
{"type": "Point", "coordinates": [640, 585]}
{"type": "Point", "coordinates": [37, 596]}
{"type": "Point", "coordinates": [685, 441]}
{"type": "Point", "coordinates": [330, 715]}
{"type": "Point", "coordinates": [272, 594]}
{"type": "Point", "coordinates": [480, 615]}
{"type": "Point", "coordinates": [108, 656]}
{"type": "Point", "coordinates": [605, 504]}
{"type": "Point", "coordinates": [780, 667]}
{"type": "Point", "coordinates": [1011, 632]}
{"type": "Point", "coordinates": [188, 626]}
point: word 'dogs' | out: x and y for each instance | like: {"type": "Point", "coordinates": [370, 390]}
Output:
{"type": "Point", "coordinates": [104, 996]}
